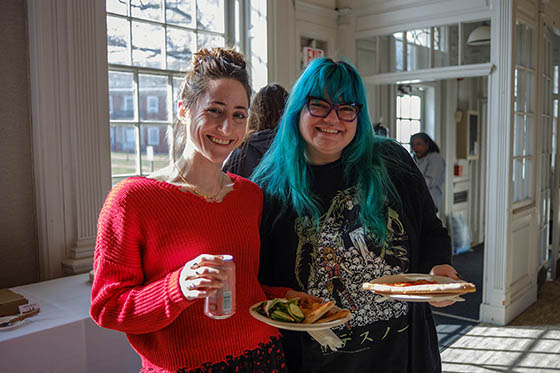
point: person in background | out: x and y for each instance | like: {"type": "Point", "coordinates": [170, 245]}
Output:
{"type": "Point", "coordinates": [160, 239]}
{"type": "Point", "coordinates": [431, 164]}
{"type": "Point", "coordinates": [380, 130]}
{"type": "Point", "coordinates": [266, 110]}
{"type": "Point", "coordinates": [343, 207]}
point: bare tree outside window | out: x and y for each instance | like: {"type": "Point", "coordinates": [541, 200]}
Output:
{"type": "Point", "coordinates": [149, 46]}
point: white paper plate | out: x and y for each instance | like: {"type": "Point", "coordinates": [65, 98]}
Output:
{"type": "Point", "coordinates": [404, 277]}
{"type": "Point", "coordinates": [11, 326]}
{"type": "Point", "coordinates": [295, 326]}
{"type": "Point", "coordinates": [421, 298]}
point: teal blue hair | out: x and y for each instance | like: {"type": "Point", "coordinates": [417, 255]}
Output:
{"type": "Point", "coordinates": [283, 172]}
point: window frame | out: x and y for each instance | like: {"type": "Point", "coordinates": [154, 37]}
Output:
{"type": "Point", "coordinates": [230, 35]}
{"type": "Point", "coordinates": [417, 93]}
{"type": "Point", "coordinates": [518, 68]}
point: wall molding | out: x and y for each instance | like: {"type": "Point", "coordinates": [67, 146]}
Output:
{"type": "Point", "coordinates": [502, 314]}
{"type": "Point", "coordinates": [68, 70]}
{"type": "Point", "coordinates": [374, 20]}
{"type": "Point", "coordinates": [440, 73]}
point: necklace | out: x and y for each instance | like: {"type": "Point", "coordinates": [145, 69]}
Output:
{"type": "Point", "coordinates": [193, 189]}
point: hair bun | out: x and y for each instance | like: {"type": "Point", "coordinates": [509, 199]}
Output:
{"type": "Point", "coordinates": [227, 55]}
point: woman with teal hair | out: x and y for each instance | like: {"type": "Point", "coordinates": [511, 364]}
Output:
{"type": "Point", "coordinates": [343, 207]}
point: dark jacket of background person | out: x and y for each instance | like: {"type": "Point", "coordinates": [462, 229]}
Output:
{"type": "Point", "coordinates": [266, 110]}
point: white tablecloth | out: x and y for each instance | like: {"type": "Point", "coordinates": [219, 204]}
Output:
{"type": "Point", "coordinates": [62, 338]}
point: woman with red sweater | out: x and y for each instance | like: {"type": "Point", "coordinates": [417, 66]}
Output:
{"type": "Point", "coordinates": [159, 240]}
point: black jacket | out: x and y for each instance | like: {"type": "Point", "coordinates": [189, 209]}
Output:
{"type": "Point", "coordinates": [244, 159]}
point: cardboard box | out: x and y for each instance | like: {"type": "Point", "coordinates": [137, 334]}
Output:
{"type": "Point", "coordinates": [10, 302]}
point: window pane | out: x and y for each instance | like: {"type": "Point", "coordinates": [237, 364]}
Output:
{"type": "Point", "coordinates": [399, 106]}
{"type": "Point", "coordinates": [121, 95]}
{"type": "Point", "coordinates": [478, 50]}
{"type": "Point", "coordinates": [147, 9]}
{"type": "Point", "coordinates": [403, 131]}
{"type": "Point", "coordinates": [123, 150]}
{"type": "Point", "coordinates": [147, 43]}
{"type": "Point", "coordinates": [529, 89]}
{"type": "Point", "coordinates": [518, 135]}
{"type": "Point", "coordinates": [180, 12]}
{"type": "Point", "coordinates": [398, 56]}
{"type": "Point", "coordinates": [414, 107]}
{"type": "Point", "coordinates": [527, 178]}
{"type": "Point", "coordinates": [180, 45]}
{"type": "Point", "coordinates": [118, 40]}
{"type": "Point", "coordinates": [405, 106]}
{"type": "Point", "coordinates": [518, 43]}
{"type": "Point", "coordinates": [446, 39]}
{"type": "Point", "coordinates": [210, 15]}
{"type": "Point", "coordinates": [418, 49]}
{"type": "Point", "coordinates": [515, 83]}
{"type": "Point", "coordinates": [154, 149]}
{"type": "Point", "coordinates": [390, 52]}
{"type": "Point", "coordinates": [414, 127]}
{"type": "Point", "coordinates": [517, 168]}
{"type": "Point", "coordinates": [176, 90]}
{"type": "Point", "coordinates": [209, 40]}
{"type": "Point", "coordinates": [117, 6]}
{"type": "Point", "coordinates": [116, 180]}
{"type": "Point", "coordinates": [522, 179]}
{"type": "Point", "coordinates": [529, 134]}
{"type": "Point", "coordinates": [521, 97]}
{"type": "Point", "coordinates": [529, 52]}
{"type": "Point", "coordinates": [153, 97]}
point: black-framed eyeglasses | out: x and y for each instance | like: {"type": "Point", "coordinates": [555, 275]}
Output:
{"type": "Point", "coordinates": [320, 108]}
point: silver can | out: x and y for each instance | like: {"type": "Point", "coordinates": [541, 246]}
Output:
{"type": "Point", "coordinates": [221, 305]}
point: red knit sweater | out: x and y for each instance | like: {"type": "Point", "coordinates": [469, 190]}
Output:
{"type": "Point", "coordinates": [147, 231]}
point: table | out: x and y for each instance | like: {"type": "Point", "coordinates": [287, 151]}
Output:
{"type": "Point", "coordinates": [62, 338]}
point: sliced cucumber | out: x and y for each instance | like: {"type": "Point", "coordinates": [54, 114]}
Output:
{"type": "Point", "coordinates": [281, 316]}
{"type": "Point", "coordinates": [295, 312]}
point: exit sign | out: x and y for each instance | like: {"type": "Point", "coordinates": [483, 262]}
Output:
{"type": "Point", "coordinates": [310, 54]}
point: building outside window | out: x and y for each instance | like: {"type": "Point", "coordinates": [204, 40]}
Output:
{"type": "Point", "coordinates": [153, 105]}
{"type": "Point", "coordinates": [149, 46]}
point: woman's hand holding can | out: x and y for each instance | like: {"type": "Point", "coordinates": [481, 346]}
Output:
{"type": "Point", "coordinates": [202, 276]}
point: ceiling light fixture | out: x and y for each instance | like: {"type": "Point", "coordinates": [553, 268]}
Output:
{"type": "Point", "coordinates": [479, 36]}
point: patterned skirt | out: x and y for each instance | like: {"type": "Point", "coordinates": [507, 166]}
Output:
{"type": "Point", "coordinates": [266, 358]}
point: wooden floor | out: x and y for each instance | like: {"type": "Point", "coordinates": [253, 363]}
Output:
{"type": "Point", "coordinates": [530, 343]}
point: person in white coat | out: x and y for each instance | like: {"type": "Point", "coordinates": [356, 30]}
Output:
{"type": "Point", "coordinates": [430, 162]}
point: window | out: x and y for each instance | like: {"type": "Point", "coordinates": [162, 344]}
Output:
{"type": "Point", "coordinates": [524, 114]}
{"type": "Point", "coordinates": [153, 136]}
{"type": "Point", "coordinates": [425, 48]}
{"type": "Point", "coordinates": [149, 46]}
{"type": "Point", "coordinates": [408, 114]}
{"type": "Point", "coordinates": [152, 104]}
